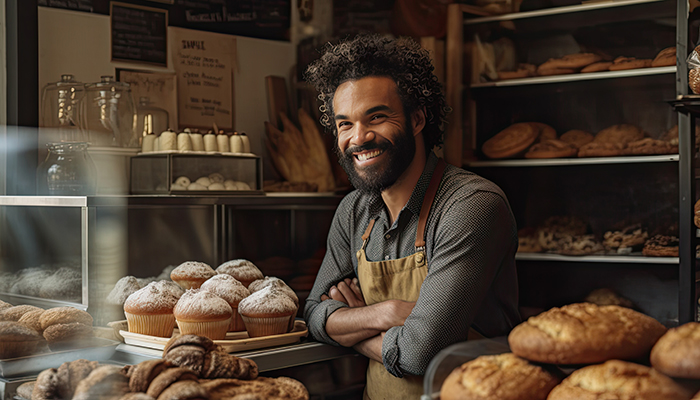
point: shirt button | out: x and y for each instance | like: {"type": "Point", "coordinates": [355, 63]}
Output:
{"type": "Point", "coordinates": [388, 236]}
{"type": "Point", "coordinates": [386, 257]}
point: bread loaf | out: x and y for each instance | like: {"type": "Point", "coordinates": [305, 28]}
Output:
{"type": "Point", "coordinates": [677, 353]}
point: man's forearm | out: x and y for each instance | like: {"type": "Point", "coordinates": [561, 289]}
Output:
{"type": "Point", "coordinates": [348, 326]}
{"type": "Point", "coordinates": [371, 348]}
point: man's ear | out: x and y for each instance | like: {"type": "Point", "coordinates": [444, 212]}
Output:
{"type": "Point", "coordinates": [418, 120]}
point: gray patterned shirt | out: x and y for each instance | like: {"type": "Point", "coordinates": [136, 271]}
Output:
{"type": "Point", "coordinates": [471, 240]}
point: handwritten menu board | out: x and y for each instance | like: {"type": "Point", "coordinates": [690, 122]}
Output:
{"type": "Point", "coordinates": [139, 34]}
{"type": "Point", "coordinates": [264, 19]}
{"type": "Point", "coordinates": [203, 63]}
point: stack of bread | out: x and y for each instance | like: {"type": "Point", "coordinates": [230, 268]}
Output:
{"type": "Point", "coordinates": [192, 367]}
{"type": "Point", "coordinates": [609, 346]}
{"type": "Point", "coordinates": [233, 298]}
{"type": "Point", "coordinates": [27, 330]}
{"type": "Point", "coordinates": [587, 63]}
{"type": "Point", "coordinates": [537, 140]}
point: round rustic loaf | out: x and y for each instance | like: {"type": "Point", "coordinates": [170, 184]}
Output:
{"type": "Point", "coordinates": [584, 333]}
{"type": "Point", "coordinates": [677, 353]}
{"type": "Point", "coordinates": [617, 379]}
{"type": "Point", "coordinates": [498, 377]}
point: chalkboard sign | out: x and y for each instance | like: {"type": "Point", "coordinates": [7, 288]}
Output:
{"type": "Point", "coordinates": [139, 34]}
{"type": "Point", "coordinates": [79, 5]}
{"type": "Point", "coordinates": [264, 19]}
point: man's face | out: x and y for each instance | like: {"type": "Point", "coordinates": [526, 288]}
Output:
{"type": "Point", "coordinates": [375, 139]}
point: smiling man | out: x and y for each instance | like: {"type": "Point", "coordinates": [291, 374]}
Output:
{"type": "Point", "coordinates": [421, 255]}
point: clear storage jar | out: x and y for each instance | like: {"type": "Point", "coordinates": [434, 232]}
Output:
{"type": "Point", "coordinates": [67, 170]}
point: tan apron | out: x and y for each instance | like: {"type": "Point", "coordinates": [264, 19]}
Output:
{"type": "Point", "coordinates": [400, 280]}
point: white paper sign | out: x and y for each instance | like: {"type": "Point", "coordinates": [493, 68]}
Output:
{"type": "Point", "coordinates": [204, 63]}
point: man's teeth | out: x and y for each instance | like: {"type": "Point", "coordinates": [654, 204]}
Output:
{"type": "Point", "coordinates": [367, 156]}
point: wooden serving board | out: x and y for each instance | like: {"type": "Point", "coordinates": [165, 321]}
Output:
{"type": "Point", "coordinates": [234, 342]}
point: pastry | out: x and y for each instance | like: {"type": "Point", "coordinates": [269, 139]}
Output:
{"type": "Point", "coordinates": [584, 333]}
{"type": "Point", "coordinates": [186, 356]}
{"type": "Point", "coordinates": [694, 80]}
{"type": "Point", "coordinates": [523, 71]}
{"type": "Point", "coordinates": [166, 378]}
{"type": "Point", "coordinates": [70, 374]}
{"type": "Point", "coordinates": [267, 312]}
{"type": "Point", "coordinates": [607, 297]}
{"type": "Point", "coordinates": [551, 149]}
{"type": "Point", "coordinates": [30, 281]}
{"type": "Point", "coordinates": [696, 217]}
{"type": "Point", "coordinates": [189, 340]}
{"type": "Point", "coordinates": [184, 390]}
{"type": "Point", "coordinates": [597, 67]}
{"type": "Point", "coordinates": [66, 336]}
{"type": "Point", "coordinates": [149, 310]}
{"type": "Point", "coordinates": [32, 319]}
{"type": "Point", "coordinates": [218, 364]}
{"type": "Point", "coordinates": [677, 352]}
{"type": "Point", "coordinates": [528, 241]}
{"type": "Point", "coordinates": [64, 315]}
{"type": "Point", "coordinates": [511, 141]}
{"type": "Point", "coordinates": [4, 305]}
{"type": "Point", "coordinates": [65, 284]}
{"type": "Point", "coordinates": [621, 133]}
{"type": "Point", "coordinates": [579, 245]}
{"type": "Point", "coordinates": [600, 149]}
{"type": "Point", "coordinates": [650, 146]}
{"type": "Point", "coordinates": [545, 132]}
{"type": "Point", "coordinates": [274, 282]}
{"type": "Point", "coordinates": [630, 238]}
{"type": "Point", "coordinates": [622, 63]}
{"type": "Point", "coordinates": [281, 388]}
{"type": "Point", "coordinates": [573, 61]}
{"type": "Point", "coordinates": [142, 374]}
{"type": "Point", "coordinates": [665, 58]}
{"type": "Point", "coordinates": [16, 312]}
{"type": "Point", "coordinates": [191, 274]}
{"type": "Point", "coordinates": [46, 386]}
{"type": "Point", "coordinates": [498, 377]}
{"type": "Point", "coordinates": [17, 340]}
{"type": "Point", "coordinates": [25, 390]}
{"type": "Point", "coordinates": [231, 290]}
{"type": "Point", "coordinates": [243, 270]}
{"type": "Point", "coordinates": [556, 228]}
{"type": "Point", "coordinates": [203, 313]}
{"type": "Point", "coordinates": [105, 382]}
{"type": "Point", "coordinates": [661, 246]}
{"type": "Point", "coordinates": [617, 379]}
{"type": "Point", "coordinates": [136, 396]}
{"type": "Point", "coordinates": [542, 71]}
{"type": "Point", "coordinates": [122, 290]}
{"type": "Point", "coordinates": [576, 137]}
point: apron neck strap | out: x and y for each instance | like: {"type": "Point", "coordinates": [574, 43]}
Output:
{"type": "Point", "coordinates": [428, 201]}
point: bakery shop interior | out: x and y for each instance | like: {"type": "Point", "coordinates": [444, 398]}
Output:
{"type": "Point", "coordinates": [337, 200]}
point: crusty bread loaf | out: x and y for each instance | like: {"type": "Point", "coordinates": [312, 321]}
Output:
{"type": "Point", "coordinates": [677, 353]}
{"type": "Point", "coordinates": [617, 379]}
{"type": "Point", "coordinates": [64, 315]}
{"type": "Point", "coordinates": [281, 388]}
{"type": "Point", "coordinates": [584, 333]}
{"type": "Point", "coordinates": [498, 377]}
{"type": "Point", "coordinates": [511, 141]}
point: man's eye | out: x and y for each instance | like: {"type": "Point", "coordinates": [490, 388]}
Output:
{"type": "Point", "coordinates": [342, 124]}
{"type": "Point", "coordinates": [378, 117]}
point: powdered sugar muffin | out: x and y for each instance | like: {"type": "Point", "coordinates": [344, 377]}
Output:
{"type": "Point", "coordinates": [199, 312]}
{"type": "Point", "coordinates": [267, 312]}
{"type": "Point", "coordinates": [149, 310]}
{"type": "Point", "coordinates": [124, 288]}
{"type": "Point", "coordinates": [243, 270]}
{"type": "Point", "coordinates": [274, 282]}
{"type": "Point", "coordinates": [191, 274]}
{"type": "Point", "coordinates": [231, 290]}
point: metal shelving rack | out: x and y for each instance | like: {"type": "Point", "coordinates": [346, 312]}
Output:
{"type": "Point", "coordinates": [531, 21]}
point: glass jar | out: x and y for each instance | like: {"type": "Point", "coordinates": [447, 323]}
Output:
{"type": "Point", "coordinates": [110, 114]}
{"type": "Point", "coordinates": [67, 170]}
{"type": "Point", "coordinates": [60, 109]}
{"type": "Point", "coordinates": [149, 118]}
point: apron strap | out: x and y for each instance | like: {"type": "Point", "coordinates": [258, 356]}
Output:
{"type": "Point", "coordinates": [428, 202]}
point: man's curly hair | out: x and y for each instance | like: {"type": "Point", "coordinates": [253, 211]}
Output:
{"type": "Point", "coordinates": [402, 60]}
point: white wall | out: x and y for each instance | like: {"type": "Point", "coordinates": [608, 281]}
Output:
{"type": "Point", "coordinates": [79, 43]}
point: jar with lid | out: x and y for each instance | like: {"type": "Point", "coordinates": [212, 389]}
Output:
{"type": "Point", "coordinates": [67, 170]}
{"type": "Point", "coordinates": [110, 114]}
{"type": "Point", "coordinates": [60, 110]}
{"type": "Point", "coordinates": [150, 119]}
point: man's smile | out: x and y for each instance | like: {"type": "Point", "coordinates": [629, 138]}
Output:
{"type": "Point", "coordinates": [367, 155]}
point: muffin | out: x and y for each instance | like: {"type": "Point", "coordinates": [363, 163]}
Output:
{"type": "Point", "coordinates": [243, 270]}
{"type": "Point", "coordinates": [231, 290]}
{"type": "Point", "coordinates": [17, 340]}
{"type": "Point", "coordinates": [124, 288]}
{"type": "Point", "coordinates": [191, 274]}
{"type": "Point", "coordinates": [267, 312]}
{"type": "Point", "coordinates": [173, 287]}
{"type": "Point", "coordinates": [203, 313]}
{"type": "Point", "coordinates": [149, 310]}
{"type": "Point", "coordinates": [277, 283]}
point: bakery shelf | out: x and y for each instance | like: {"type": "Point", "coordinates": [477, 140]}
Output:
{"type": "Point", "coordinates": [596, 258]}
{"type": "Point", "coordinates": [18, 299]}
{"type": "Point", "coordinates": [550, 162]}
{"type": "Point", "coordinates": [557, 11]}
{"type": "Point", "coordinates": [538, 80]}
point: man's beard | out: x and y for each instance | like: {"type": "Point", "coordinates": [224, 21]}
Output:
{"type": "Point", "coordinates": [381, 176]}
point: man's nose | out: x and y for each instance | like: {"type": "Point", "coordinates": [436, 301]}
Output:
{"type": "Point", "coordinates": [361, 134]}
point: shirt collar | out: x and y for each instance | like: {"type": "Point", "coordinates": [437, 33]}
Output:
{"type": "Point", "coordinates": [376, 204]}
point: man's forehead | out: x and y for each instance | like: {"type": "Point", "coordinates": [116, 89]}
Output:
{"type": "Point", "coordinates": [366, 93]}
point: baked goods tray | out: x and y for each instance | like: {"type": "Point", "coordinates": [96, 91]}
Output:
{"type": "Point", "coordinates": [100, 349]}
{"type": "Point", "coordinates": [235, 341]}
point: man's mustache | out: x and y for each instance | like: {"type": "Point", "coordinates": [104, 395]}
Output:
{"type": "Point", "coordinates": [365, 147]}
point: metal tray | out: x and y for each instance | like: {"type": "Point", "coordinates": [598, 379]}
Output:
{"type": "Point", "coordinates": [100, 350]}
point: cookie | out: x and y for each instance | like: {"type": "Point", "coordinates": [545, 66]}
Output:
{"type": "Point", "coordinates": [627, 238]}
{"type": "Point", "coordinates": [511, 141]}
{"type": "Point", "coordinates": [665, 58]}
{"type": "Point", "coordinates": [597, 67]}
{"type": "Point", "coordinates": [576, 137]}
{"type": "Point", "coordinates": [523, 71]}
{"type": "Point", "coordinates": [620, 133]}
{"type": "Point", "coordinates": [623, 63]}
{"type": "Point", "coordinates": [579, 245]}
{"type": "Point", "coordinates": [571, 61]}
{"type": "Point", "coordinates": [599, 149]}
{"type": "Point", "coordinates": [551, 149]}
{"type": "Point", "coordinates": [661, 246]}
{"type": "Point", "coordinates": [528, 241]}
{"type": "Point", "coordinates": [545, 132]}
{"type": "Point", "coordinates": [554, 71]}
{"type": "Point", "coordinates": [649, 146]}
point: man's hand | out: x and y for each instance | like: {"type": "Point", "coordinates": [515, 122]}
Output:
{"type": "Point", "coordinates": [347, 291]}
